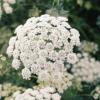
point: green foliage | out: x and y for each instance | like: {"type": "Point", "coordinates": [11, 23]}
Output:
{"type": "Point", "coordinates": [73, 92]}
{"type": "Point", "coordinates": [8, 74]}
{"type": "Point", "coordinates": [5, 34]}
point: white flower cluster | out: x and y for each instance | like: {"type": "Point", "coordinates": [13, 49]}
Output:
{"type": "Point", "coordinates": [6, 7]}
{"type": "Point", "coordinates": [42, 45]}
{"type": "Point", "coordinates": [55, 76]}
{"type": "Point", "coordinates": [7, 89]}
{"type": "Point", "coordinates": [96, 93]}
{"type": "Point", "coordinates": [47, 93]}
{"type": "Point", "coordinates": [87, 69]}
{"type": "Point", "coordinates": [89, 47]}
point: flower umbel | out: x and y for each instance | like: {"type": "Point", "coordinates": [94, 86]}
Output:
{"type": "Point", "coordinates": [42, 45]}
